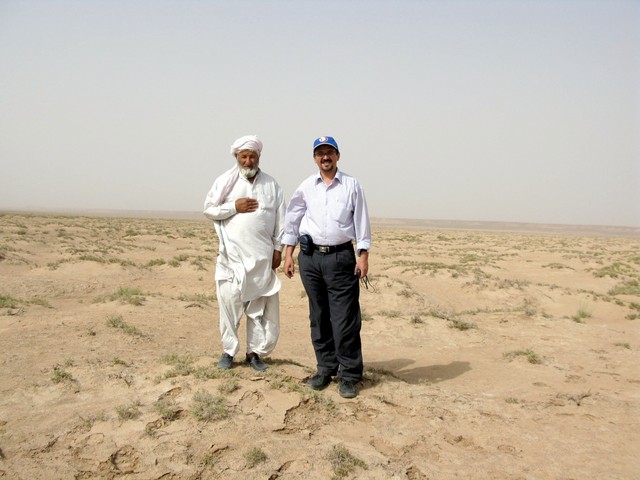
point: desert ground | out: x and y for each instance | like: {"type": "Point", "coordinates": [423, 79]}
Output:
{"type": "Point", "coordinates": [490, 353]}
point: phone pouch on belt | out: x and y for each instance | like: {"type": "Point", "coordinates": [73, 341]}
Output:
{"type": "Point", "coordinates": [306, 244]}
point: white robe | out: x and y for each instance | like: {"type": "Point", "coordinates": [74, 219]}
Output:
{"type": "Point", "coordinates": [247, 240]}
{"type": "Point", "coordinates": [246, 282]}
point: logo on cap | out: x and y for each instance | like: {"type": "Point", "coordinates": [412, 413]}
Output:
{"type": "Point", "coordinates": [322, 139]}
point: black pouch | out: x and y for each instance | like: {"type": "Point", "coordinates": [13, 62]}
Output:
{"type": "Point", "coordinates": [306, 244]}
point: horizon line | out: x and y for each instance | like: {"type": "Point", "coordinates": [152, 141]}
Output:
{"type": "Point", "coordinates": [380, 222]}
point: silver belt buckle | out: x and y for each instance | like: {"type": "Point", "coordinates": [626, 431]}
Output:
{"type": "Point", "coordinates": [323, 249]}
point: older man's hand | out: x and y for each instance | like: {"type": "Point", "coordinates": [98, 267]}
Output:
{"type": "Point", "coordinates": [276, 260]}
{"type": "Point", "coordinates": [246, 205]}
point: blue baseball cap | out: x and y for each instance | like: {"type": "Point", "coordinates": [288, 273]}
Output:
{"type": "Point", "coordinates": [325, 141]}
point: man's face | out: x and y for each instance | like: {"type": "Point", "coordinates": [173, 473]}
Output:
{"type": "Point", "coordinates": [248, 163]}
{"type": "Point", "coordinates": [326, 157]}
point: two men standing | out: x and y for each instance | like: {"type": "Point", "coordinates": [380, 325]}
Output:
{"type": "Point", "coordinates": [327, 213]}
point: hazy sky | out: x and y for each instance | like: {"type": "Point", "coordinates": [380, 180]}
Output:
{"type": "Point", "coordinates": [525, 111]}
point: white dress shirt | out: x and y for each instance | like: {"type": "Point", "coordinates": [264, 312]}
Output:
{"type": "Point", "coordinates": [331, 214]}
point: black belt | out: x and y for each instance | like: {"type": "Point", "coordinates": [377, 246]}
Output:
{"type": "Point", "coordinates": [333, 248]}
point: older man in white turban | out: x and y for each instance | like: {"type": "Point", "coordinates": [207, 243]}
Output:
{"type": "Point", "coordinates": [247, 207]}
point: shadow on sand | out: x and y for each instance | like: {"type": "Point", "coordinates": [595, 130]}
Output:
{"type": "Point", "coordinates": [428, 374]}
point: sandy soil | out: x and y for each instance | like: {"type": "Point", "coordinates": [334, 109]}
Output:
{"type": "Point", "coordinates": [488, 354]}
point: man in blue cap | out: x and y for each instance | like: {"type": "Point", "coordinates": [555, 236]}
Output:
{"type": "Point", "coordinates": [327, 214]}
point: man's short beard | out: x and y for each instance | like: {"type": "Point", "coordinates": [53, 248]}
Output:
{"type": "Point", "coordinates": [249, 172]}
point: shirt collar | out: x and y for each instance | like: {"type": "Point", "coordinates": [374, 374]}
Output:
{"type": "Point", "coordinates": [338, 177]}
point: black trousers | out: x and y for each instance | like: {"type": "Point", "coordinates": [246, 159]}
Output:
{"type": "Point", "coordinates": [334, 312]}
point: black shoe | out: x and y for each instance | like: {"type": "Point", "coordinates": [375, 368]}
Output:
{"type": "Point", "coordinates": [318, 382]}
{"type": "Point", "coordinates": [225, 361]}
{"type": "Point", "coordinates": [347, 389]}
{"type": "Point", "coordinates": [256, 362]}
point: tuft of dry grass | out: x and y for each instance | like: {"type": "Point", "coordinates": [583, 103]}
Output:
{"type": "Point", "coordinates": [198, 298]}
{"type": "Point", "coordinates": [206, 408]}
{"type": "Point", "coordinates": [61, 375]}
{"type": "Point", "coordinates": [182, 365]}
{"type": "Point", "coordinates": [7, 301]}
{"type": "Point", "coordinates": [255, 456]}
{"type": "Point", "coordinates": [116, 321]}
{"type": "Point", "coordinates": [167, 408]}
{"type": "Point", "coordinates": [343, 461]}
{"type": "Point", "coordinates": [461, 324]}
{"type": "Point", "coordinates": [630, 287]}
{"type": "Point", "coordinates": [583, 313]}
{"type": "Point", "coordinates": [530, 355]}
{"type": "Point", "coordinates": [228, 386]}
{"type": "Point", "coordinates": [130, 411]}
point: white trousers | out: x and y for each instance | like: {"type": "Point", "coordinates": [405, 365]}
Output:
{"type": "Point", "coordinates": [263, 320]}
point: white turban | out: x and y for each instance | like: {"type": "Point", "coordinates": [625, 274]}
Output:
{"type": "Point", "coordinates": [229, 178]}
{"type": "Point", "coordinates": [248, 142]}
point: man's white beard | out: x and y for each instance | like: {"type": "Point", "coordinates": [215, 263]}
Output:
{"type": "Point", "coordinates": [248, 172]}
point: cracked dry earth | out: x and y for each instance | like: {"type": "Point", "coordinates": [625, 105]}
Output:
{"type": "Point", "coordinates": [488, 354]}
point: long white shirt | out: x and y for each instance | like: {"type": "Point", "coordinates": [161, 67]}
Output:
{"type": "Point", "coordinates": [332, 214]}
{"type": "Point", "coordinates": [247, 240]}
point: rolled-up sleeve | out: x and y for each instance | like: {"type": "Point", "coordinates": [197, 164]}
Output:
{"type": "Point", "coordinates": [295, 211]}
{"type": "Point", "coordinates": [361, 220]}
